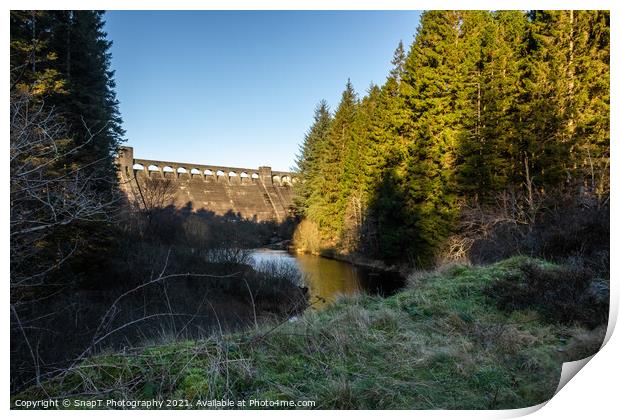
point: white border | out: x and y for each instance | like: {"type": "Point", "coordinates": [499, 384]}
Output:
{"type": "Point", "coordinates": [593, 394]}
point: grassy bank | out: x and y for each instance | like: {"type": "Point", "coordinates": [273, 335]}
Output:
{"type": "Point", "coordinates": [443, 342]}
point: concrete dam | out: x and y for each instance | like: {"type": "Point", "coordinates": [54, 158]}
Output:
{"type": "Point", "coordinates": [259, 194]}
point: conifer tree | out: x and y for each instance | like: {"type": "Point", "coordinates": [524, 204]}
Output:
{"type": "Point", "coordinates": [493, 42]}
{"type": "Point", "coordinates": [61, 61]}
{"type": "Point", "coordinates": [384, 230]}
{"type": "Point", "coordinates": [308, 160]}
{"type": "Point", "coordinates": [353, 187]}
{"type": "Point", "coordinates": [564, 91]}
{"type": "Point", "coordinates": [435, 93]}
{"type": "Point", "coordinates": [326, 203]}
{"type": "Point", "coordinates": [33, 61]}
{"type": "Point", "coordinates": [484, 105]}
{"type": "Point", "coordinates": [541, 147]}
{"type": "Point", "coordinates": [590, 98]}
{"type": "Point", "coordinates": [90, 108]}
{"type": "Point", "coordinates": [62, 58]}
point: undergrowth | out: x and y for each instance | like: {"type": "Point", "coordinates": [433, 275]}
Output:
{"type": "Point", "coordinates": [442, 343]}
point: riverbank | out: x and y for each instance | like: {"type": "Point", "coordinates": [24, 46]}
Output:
{"type": "Point", "coordinates": [442, 342]}
{"type": "Point", "coordinates": [366, 262]}
{"type": "Point", "coordinates": [354, 259]}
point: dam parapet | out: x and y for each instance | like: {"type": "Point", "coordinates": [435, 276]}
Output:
{"type": "Point", "coordinates": [261, 194]}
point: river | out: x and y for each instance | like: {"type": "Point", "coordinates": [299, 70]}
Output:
{"type": "Point", "coordinates": [179, 308]}
{"type": "Point", "coordinates": [326, 278]}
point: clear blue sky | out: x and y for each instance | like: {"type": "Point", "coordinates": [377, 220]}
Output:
{"type": "Point", "coordinates": [239, 88]}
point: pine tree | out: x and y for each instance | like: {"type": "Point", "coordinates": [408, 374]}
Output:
{"type": "Point", "coordinates": [386, 145]}
{"type": "Point", "coordinates": [541, 146]}
{"type": "Point", "coordinates": [61, 60]}
{"type": "Point", "coordinates": [33, 62]}
{"type": "Point", "coordinates": [326, 203]}
{"type": "Point", "coordinates": [590, 96]}
{"type": "Point", "coordinates": [485, 165]}
{"type": "Point", "coordinates": [309, 157]}
{"type": "Point", "coordinates": [398, 63]}
{"type": "Point", "coordinates": [564, 101]}
{"type": "Point", "coordinates": [384, 231]}
{"type": "Point", "coordinates": [484, 104]}
{"type": "Point", "coordinates": [435, 92]}
{"type": "Point", "coordinates": [356, 173]}
{"type": "Point", "coordinates": [90, 108]}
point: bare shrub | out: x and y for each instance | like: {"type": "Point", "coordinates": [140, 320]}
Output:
{"type": "Point", "coordinates": [281, 269]}
{"type": "Point", "coordinates": [47, 195]}
{"type": "Point", "coordinates": [570, 228]}
{"type": "Point", "coordinates": [198, 232]}
{"type": "Point", "coordinates": [455, 250]}
{"type": "Point", "coordinates": [229, 256]}
{"type": "Point", "coordinates": [279, 287]}
{"type": "Point", "coordinates": [156, 193]}
{"type": "Point", "coordinates": [54, 202]}
{"type": "Point", "coordinates": [495, 230]}
{"type": "Point", "coordinates": [559, 293]}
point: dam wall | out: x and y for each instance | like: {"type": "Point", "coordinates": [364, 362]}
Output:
{"type": "Point", "coordinates": [259, 194]}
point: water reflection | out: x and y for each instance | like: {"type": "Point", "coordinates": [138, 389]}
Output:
{"type": "Point", "coordinates": [328, 278]}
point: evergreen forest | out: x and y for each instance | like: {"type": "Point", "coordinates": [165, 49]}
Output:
{"type": "Point", "coordinates": [487, 119]}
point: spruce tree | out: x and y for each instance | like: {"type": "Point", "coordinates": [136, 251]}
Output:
{"type": "Point", "coordinates": [327, 202]}
{"type": "Point", "coordinates": [384, 231]}
{"type": "Point", "coordinates": [309, 157]}
{"type": "Point", "coordinates": [34, 62]}
{"type": "Point", "coordinates": [353, 188]}
{"type": "Point", "coordinates": [61, 60]}
{"type": "Point", "coordinates": [435, 92]}
{"type": "Point", "coordinates": [590, 95]}
{"type": "Point", "coordinates": [494, 41]}
{"type": "Point", "coordinates": [564, 102]}
{"type": "Point", "coordinates": [484, 105]}
{"type": "Point", "coordinates": [90, 108]}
